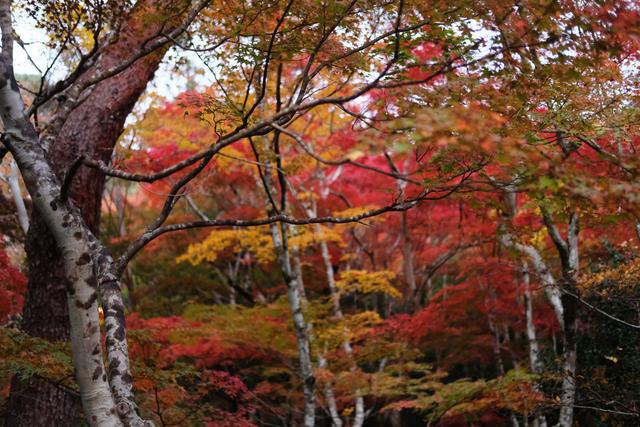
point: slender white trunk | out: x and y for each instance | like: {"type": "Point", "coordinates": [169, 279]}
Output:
{"type": "Point", "coordinates": [297, 265]}
{"type": "Point", "coordinates": [567, 399]}
{"type": "Point", "coordinates": [299, 324]}
{"type": "Point", "coordinates": [547, 280]}
{"type": "Point", "coordinates": [359, 413]}
{"type": "Point", "coordinates": [16, 193]}
{"type": "Point", "coordinates": [330, 397]}
{"type": "Point", "coordinates": [279, 237]}
{"type": "Point", "coordinates": [563, 305]}
{"type": "Point", "coordinates": [570, 270]}
{"type": "Point", "coordinates": [534, 348]}
{"type": "Point", "coordinates": [497, 353]}
{"type": "Point", "coordinates": [106, 396]}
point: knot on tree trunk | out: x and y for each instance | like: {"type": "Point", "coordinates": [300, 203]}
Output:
{"type": "Point", "coordinates": [128, 413]}
{"type": "Point", "coordinates": [123, 408]}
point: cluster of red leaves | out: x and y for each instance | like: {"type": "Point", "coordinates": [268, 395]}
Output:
{"type": "Point", "coordinates": [164, 344]}
{"type": "Point", "coordinates": [13, 285]}
{"type": "Point", "coordinates": [459, 316]}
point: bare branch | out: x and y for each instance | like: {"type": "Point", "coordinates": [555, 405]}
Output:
{"type": "Point", "coordinates": [192, 204]}
{"type": "Point", "coordinates": [68, 178]}
{"type": "Point", "coordinates": [556, 237]}
{"type": "Point", "coordinates": [604, 313]}
{"type": "Point", "coordinates": [267, 60]}
{"type": "Point", "coordinates": [147, 48]}
{"type": "Point", "coordinates": [309, 151]}
{"type": "Point", "coordinates": [153, 233]}
{"type": "Point", "coordinates": [606, 154]}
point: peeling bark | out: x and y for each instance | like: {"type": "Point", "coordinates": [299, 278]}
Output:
{"type": "Point", "coordinates": [563, 305]}
{"type": "Point", "coordinates": [279, 237]}
{"type": "Point", "coordinates": [106, 396]}
{"type": "Point", "coordinates": [90, 129]}
{"type": "Point", "coordinates": [299, 323]}
{"type": "Point", "coordinates": [16, 193]}
{"type": "Point", "coordinates": [534, 348]}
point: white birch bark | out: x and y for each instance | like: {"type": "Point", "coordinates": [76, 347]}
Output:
{"type": "Point", "coordinates": [330, 397]}
{"type": "Point", "coordinates": [69, 233]}
{"type": "Point", "coordinates": [563, 305]}
{"type": "Point", "coordinates": [279, 238]}
{"type": "Point", "coordinates": [547, 280]}
{"type": "Point", "coordinates": [534, 347]}
{"type": "Point", "coordinates": [16, 193]}
{"type": "Point", "coordinates": [297, 268]}
{"type": "Point", "coordinates": [299, 324]}
{"type": "Point", "coordinates": [359, 413]}
{"type": "Point", "coordinates": [106, 396]}
{"type": "Point", "coordinates": [570, 273]}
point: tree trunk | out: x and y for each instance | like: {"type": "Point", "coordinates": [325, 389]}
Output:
{"type": "Point", "coordinates": [407, 260]}
{"type": "Point", "coordinates": [570, 260]}
{"type": "Point", "coordinates": [358, 419]}
{"type": "Point", "coordinates": [407, 248]}
{"type": "Point", "coordinates": [567, 399]}
{"type": "Point", "coordinates": [299, 323]}
{"type": "Point", "coordinates": [330, 397]}
{"type": "Point", "coordinates": [92, 129]}
{"type": "Point", "coordinates": [71, 236]}
{"type": "Point", "coordinates": [359, 415]}
{"type": "Point", "coordinates": [39, 402]}
{"type": "Point", "coordinates": [534, 348]}
{"type": "Point", "coordinates": [563, 305]}
{"type": "Point", "coordinates": [279, 237]}
{"type": "Point", "coordinates": [16, 193]}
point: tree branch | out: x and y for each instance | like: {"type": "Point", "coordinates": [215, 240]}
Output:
{"type": "Point", "coordinates": [153, 233]}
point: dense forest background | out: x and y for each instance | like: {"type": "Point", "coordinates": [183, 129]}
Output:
{"type": "Point", "coordinates": [332, 213]}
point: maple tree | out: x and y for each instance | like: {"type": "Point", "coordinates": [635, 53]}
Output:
{"type": "Point", "coordinates": [371, 212]}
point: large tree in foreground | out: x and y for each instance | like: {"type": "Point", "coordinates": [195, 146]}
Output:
{"type": "Point", "coordinates": [331, 55]}
{"type": "Point", "coordinates": [90, 128]}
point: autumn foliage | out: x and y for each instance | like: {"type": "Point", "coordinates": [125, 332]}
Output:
{"type": "Point", "coordinates": [446, 215]}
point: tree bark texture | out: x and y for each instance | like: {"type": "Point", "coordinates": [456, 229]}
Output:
{"type": "Point", "coordinates": [564, 305]}
{"type": "Point", "coordinates": [300, 325]}
{"type": "Point", "coordinates": [359, 415]}
{"type": "Point", "coordinates": [535, 360]}
{"type": "Point", "coordinates": [92, 129]}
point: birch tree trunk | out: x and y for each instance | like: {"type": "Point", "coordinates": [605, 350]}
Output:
{"type": "Point", "coordinates": [70, 234]}
{"type": "Point", "coordinates": [570, 269]}
{"type": "Point", "coordinates": [359, 415]}
{"type": "Point", "coordinates": [16, 193]}
{"type": "Point", "coordinates": [300, 326]}
{"type": "Point", "coordinates": [330, 397]}
{"type": "Point", "coordinates": [106, 395]}
{"type": "Point", "coordinates": [279, 237]}
{"type": "Point", "coordinates": [89, 271]}
{"type": "Point", "coordinates": [564, 305]}
{"type": "Point", "coordinates": [91, 129]}
{"type": "Point", "coordinates": [534, 348]}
